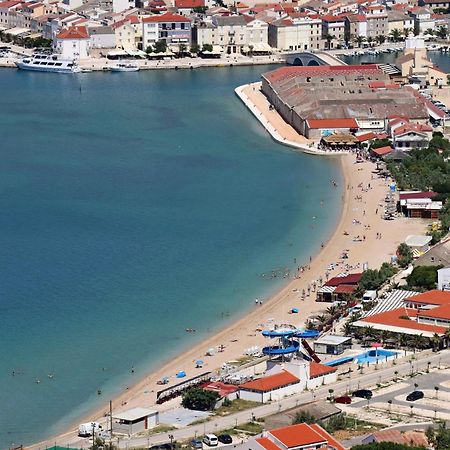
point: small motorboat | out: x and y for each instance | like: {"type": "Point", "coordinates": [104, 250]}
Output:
{"type": "Point", "coordinates": [124, 68]}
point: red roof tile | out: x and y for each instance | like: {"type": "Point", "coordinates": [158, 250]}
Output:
{"type": "Point", "coordinates": [381, 151]}
{"type": "Point", "coordinates": [345, 289]}
{"type": "Point", "coordinates": [167, 17]}
{"type": "Point", "coordinates": [298, 435]}
{"type": "Point", "coordinates": [73, 33]}
{"type": "Point", "coordinates": [318, 370]}
{"type": "Point", "coordinates": [271, 382]}
{"type": "Point", "coordinates": [434, 297]}
{"type": "Point", "coordinates": [440, 312]}
{"type": "Point", "coordinates": [395, 318]}
{"type": "Point", "coordinates": [353, 278]}
{"type": "Point", "coordinates": [366, 136]}
{"type": "Point", "coordinates": [9, 4]}
{"type": "Point", "coordinates": [189, 3]}
{"type": "Point", "coordinates": [332, 123]}
{"type": "Point", "coordinates": [413, 195]}
{"type": "Point", "coordinates": [267, 443]}
{"type": "Point", "coordinates": [222, 389]}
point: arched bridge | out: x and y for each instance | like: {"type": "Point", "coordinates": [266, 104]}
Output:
{"type": "Point", "coordinates": [312, 59]}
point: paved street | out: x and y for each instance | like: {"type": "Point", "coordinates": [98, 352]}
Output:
{"type": "Point", "coordinates": [357, 380]}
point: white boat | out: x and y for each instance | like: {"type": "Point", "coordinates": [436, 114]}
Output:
{"type": "Point", "coordinates": [48, 63]}
{"type": "Point", "coordinates": [124, 68]}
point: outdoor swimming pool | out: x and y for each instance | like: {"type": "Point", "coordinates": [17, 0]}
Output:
{"type": "Point", "coordinates": [370, 356]}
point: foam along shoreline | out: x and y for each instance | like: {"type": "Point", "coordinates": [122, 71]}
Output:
{"type": "Point", "coordinates": [362, 194]}
{"type": "Point", "coordinates": [256, 102]}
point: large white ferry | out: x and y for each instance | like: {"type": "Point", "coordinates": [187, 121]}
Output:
{"type": "Point", "coordinates": [48, 63]}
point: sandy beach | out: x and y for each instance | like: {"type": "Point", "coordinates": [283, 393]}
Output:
{"type": "Point", "coordinates": [362, 205]}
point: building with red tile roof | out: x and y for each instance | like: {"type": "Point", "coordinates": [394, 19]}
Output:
{"type": "Point", "coordinates": [73, 42]}
{"type": "Point", "coordinates": [173, 29]}
{"type": "Point", "coordinates": [271, 382]}
{"type": "Point", "coordinates": [303, 95]}
{"type": "Point", "coordinates": [223, 389]}
{"type": "Point", "coordinates": [300, 436]}
{"type": "Point", "coordinates": [382, 151]}
{"type": "Point", "coordinates": [332, 124]}
{"type": "Point", "coordinates": [73, 33]}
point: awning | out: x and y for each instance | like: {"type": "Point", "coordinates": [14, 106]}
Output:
{"type": "Point", "coordinates": [136, 53]}
{"type": "Point", "coordinates": [118, 53]}
{"type": "Point", "coordinates": [262, 47]}
{"type": "Point", "coordinates": [17, 31]}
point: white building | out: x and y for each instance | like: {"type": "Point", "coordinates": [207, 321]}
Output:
{"type": "Point", "coordinates": [171, 28]}
{"type": "Point", "coordinates": [5, 8]}
{"type": "Point", "coordinates": [135, 420]}
{"type": "Point", "coordinates": [102, 37]}
{"type": "Point", "coordinates": [444, 279]}
{"type": "Point", "coordinates": [301, 33]}
{"type": "Point", "coordinates": [122, 5]}
{"type": "Point", "coordinates": [287, 379]}
{"type": "Point", "coordinates": [73, 43]}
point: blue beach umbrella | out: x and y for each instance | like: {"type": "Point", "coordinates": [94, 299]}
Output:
{"type": "Point", "coordinates": [181, 374]}
{"type": "Point", "coordinates": [199, 362]}
{"type": "Point", "coordinates": [294, 310]}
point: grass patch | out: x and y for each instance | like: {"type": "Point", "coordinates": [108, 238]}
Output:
{"type": "Point", "coordinates": [200, 421]}
{"type": "Point", "coordinates": [250, 428]}
{"type": "Point", "coordinates": [235, 406]}
{"type": "Point", "coordinates": [158, 429]}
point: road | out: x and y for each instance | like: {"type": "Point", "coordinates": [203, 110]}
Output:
{"type": "Point", "coordinates": [341, 387]}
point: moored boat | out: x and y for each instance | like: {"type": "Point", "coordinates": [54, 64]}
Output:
{"type": "Point", "coordinates": [124, 68]}
{"type": "Point", "coordinates": [48, 63]}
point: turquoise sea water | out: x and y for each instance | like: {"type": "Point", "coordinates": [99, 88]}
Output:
{"type": "Point", "coordinates": [132, 207]}
{"type": "Point", "coordinates": [441, 60]}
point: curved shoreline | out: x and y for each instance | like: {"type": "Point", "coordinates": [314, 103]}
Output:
{"type": "Point", "coordinates": [241, 334]}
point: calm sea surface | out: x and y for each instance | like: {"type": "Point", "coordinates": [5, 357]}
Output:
{"type": "Point", "coordinates": [132, 207]}
{"type": "Point", "coordinates": [442, 60]}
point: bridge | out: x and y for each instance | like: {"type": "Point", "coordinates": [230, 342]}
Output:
{"type": "Point", "coordinates": [312, 59]}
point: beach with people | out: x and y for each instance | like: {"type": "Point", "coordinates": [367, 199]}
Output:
{"type": "Point", "coordinates": [361, 239]}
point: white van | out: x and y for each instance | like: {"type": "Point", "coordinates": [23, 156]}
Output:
{"type": "Point", "coordinates": [369, 296]}
{"type": "Point", "coordinates": [357, 309]}
{"type": "Point", "coordinates": [211, 440]}
{"type": "Point", "coordinates": [86, 429]}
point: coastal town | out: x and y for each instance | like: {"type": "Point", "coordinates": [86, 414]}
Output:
{"type": "Point", "coordinates": [353, 352]}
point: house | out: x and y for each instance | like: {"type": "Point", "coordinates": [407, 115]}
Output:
{"type": "Point", "coordinates": [411, 438]}
{"type": "Point", "coordinates": [332, 344]}
{"type": "Point", "coordinates": [418, 244]}
{"type": "Point", "coordinates": [410, 136]}
{"type": "Point", "coordinates": [186, 7]}
{"type": "Point", "coordinates": [229, 391]}
{"type": "Point", "coordinates": [302, 33]}
{"type": "Point", "coordinates": [119, 6]}
{"type": "Point", "coordinates": [435, 4]}
{"type": "Point", "coordinates": [426, 314]}
{"type": "Point", "coordinates": [419, 204]}
{"type": "Point", "coordinates": [423, 20]}
{"type": "Point", "coordinates": [356, 25]}
{"type": "Point", "coordinates": [436, 256]}
{"type": "Point", "coordinates": [5, 8]}
{"type": "Point", "coordinates": [381, 151]}
{"type": "Point", "coordinates": [299, 437]}
{"type": "Point", "coordinates": [102, 37]}
{"type": "Point", "coordinates": [321, 410]}
{"type": "Point", "coordinates": [233, 34]}
{"type": "Point", "coordinates": [73, 42]}
{"type": "Point", "coordinates": [135, 420]}
{"type": "Point", "coordinates": [333, 26]}
{"type": "Point", "coordinates": [174, 29]}
{"type": "Point", "coordinates": [286, 379]}
{"type": "Point", "coordinates": [377, 20]}
{"type": "Point", "coordinates": [338, 288]}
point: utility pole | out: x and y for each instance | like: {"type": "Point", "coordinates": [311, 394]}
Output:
{"type": "Point", "coordinates": [110, 424]}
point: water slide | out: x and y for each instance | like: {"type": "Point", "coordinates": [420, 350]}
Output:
{"type": "Point", "coordinates": [310, 351]}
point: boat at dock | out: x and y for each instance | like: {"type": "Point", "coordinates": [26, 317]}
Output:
{"type": "Point", "coordinates": [124, 68]}
{"type": "Point", "coordinates": [48, 63]}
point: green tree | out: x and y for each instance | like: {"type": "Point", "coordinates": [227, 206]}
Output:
{"type": "Point", "coordinates": [404, 254]}
{"type": "Point", "coordinates": [182, 48]}
{"type": "Point", "coordinates": [423, 277]}
{"type": "Point", "coordinates": [199, 399]}
{"type": "Point", "coordinates": [329, 38]}
{"type": "Point", "coordinates": [207, 48]}
{"type": "Point", "coordinates": [359, 40]}
{"type": "Point", "coordinates": [370, 41]}
{"type": "Point", "coordinates": [303, 417]}
{"type": "Point", "coordinates": [160, 46]}
{"type": "Point", "coordinates": [149, 50]}
{"type": "Point", "coordinates": [194, 48]}
{"type": "Point", "coordinates": [381, 39]}
{"type": "Point", "coordinates": [442, 32]}
{"type": "Point", "coordinates": [395, 35]}
{"type": "Point", "coordinates": [200, 9]}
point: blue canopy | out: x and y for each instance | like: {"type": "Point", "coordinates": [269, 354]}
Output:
{"type": "Point", "coordinates": [181, 374]}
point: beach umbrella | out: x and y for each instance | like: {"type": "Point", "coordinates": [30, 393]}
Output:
{"type": "Point", "coordinates": [294, 310]}
{"type": "Point", "coordinates": [181, 374]}
{"type": "Point", "coordinates": [199, 363]}
{"type": "Point", "coordinates": [376, 346]}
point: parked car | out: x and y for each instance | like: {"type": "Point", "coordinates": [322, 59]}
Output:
{"type": "Point", "coordinates": [363, 393]}
{"type": "Point", "coordinates": [225, 439]}
{"type": "Point", "coordinates": [413, 396]}
{"type": "Point", "coordinates": [196, 443]}
{"type": "Point", "coordinates": [211, 440]}
{"type": "Point", "coordinates": [345, 400]}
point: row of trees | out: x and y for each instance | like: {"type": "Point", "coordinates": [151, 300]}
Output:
{"type": "Point", "coordinates": [161, 47]}
{"type": "Point", "coordinates": [26, 42]}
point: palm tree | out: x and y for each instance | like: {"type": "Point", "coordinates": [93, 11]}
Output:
{"type": "Point", "coordinates": [442, 32]}
{"type": "Point", "coordinates": [370, 41]}
{"type": "Point", "coordinates": [329, 38]}
{"type": "Point", "coordinates": [435, 341]}
{"type": "Point", "coordinates": [332, 310]}
{"type": "Point", "coordinates": [407, 31]}
{"type": "Point", "coordinates": [429, 31]}
{"type": "Point", "coordinates": [395, 34]}
{"type": "Point", "coordinates": [380, 39]}
{"type": "Point", "coordinates": [347, 329]}
{"type": "Point", "coordinates": [359, 40]}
